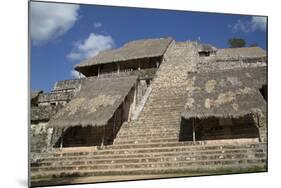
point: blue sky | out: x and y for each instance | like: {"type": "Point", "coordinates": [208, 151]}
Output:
{"type": "Point", "coordinates": [63, 35]}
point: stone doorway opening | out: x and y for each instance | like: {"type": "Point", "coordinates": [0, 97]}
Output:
{"type": "Point", "coordinates": [212, 128]}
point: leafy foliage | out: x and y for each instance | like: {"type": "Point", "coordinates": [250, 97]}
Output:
{"type": "Point", "coordinates": [236, 43]}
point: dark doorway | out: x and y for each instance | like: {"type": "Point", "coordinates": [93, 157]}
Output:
{"type": "Point", "coordinates": [204, 54]}
{"type": "Point", "coordinates": [82, 136]}
{"type": "Point", "coordinates": [263, 91]}
{"type": "Point", "coordinates": [219, 128]}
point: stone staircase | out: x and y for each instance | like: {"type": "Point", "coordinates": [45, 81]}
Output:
{"type": "Point", "coordinates": [150, 145]}
{"type": "Point", "coordinates": [152, 159]}
{"type": "Point", "coordinates": [161, 115]}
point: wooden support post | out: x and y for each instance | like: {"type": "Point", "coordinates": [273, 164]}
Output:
{"type": "Point", "coordinates": [61, 140]}
{"type": "Point", "coordinates": [258, 125]}
{"type": "Point", "coordinates": [103, 136]}
{"type": "Point", "coordinates": [193, 131]}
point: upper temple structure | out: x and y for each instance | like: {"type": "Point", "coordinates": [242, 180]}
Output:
{"type": "Point", "coordinates": [154, 107]}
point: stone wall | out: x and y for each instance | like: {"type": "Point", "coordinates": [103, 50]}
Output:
{"type": "Point", "coordinates": [212, 63]}
{"type": "Point", "coordinates": [53, 97]}
{"type": "Point", "coordinates": [67, 84]}
{"type": "Point", "coordinates": [40, 137]}
{"type": "Point", "coordinates": [141, 89]}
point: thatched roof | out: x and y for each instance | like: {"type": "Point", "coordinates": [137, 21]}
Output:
{"type": "Point", "coordinates": [228, 93]}
{"type": "Point", "coordinates": [241, 53]}
{"type": "Point", "coordinates": [133, 50]}
{"type": "Point", "coordinates": [95, 103]}
{"type": "Point", "coordinates": [247, 76]}
{"type": "Point", "coordinates": [43, 113]}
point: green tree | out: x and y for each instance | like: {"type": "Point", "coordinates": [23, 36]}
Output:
{"type": "Point", "coordinates": [254, 45]}
{"type": "Point", "coordinates": [236, 43]}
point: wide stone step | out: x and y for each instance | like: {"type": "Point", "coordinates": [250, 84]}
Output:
{"type": "Point", "coordinates": [164, 144]}
{"type": "Point", "coordinates": [169, 104]}
{"type": "Point", "coordinates": [144, 140]}
{"type": "Point", "coordinates": [238, 154]}
{"type": "Point", "coordinates": [149, 125]}
{"type": "Point", "coordinates": [93, 156]}
{"type": "Point", "coordinates": [148, 135]}
{"type": "Point", "coordinates": [145, 164]}
{"type": "Point", "coordinates": [157, 102]}
{"type": "Point", "coordinates": [162, 98]}
{"type": "Point", "coordinates": [171, 116]}
{"type": "Point", "coordinates": [153, 121]}
{"type": "Point", "coordinates": [150, 130]}
{"type": "Point", "coordinates": [175, 149]}
{"type": "Point", "coordinates": [195, 170]}
{"type": "Point", "coordinates": [89, 170]}
{"type": "Point", "coordinates": [141, 130]}
{"type": "Point", "coordinates": [172, 113]}
{"type": "Point", "coordinates": [149, 145]}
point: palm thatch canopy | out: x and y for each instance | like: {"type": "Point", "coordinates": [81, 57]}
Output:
{"type": "Point", "coordinates": [138, 49]}
{"type": "Point", "coordinates": [242, 53]}
{"type": "Point", "coordinates": [245, 76]}
{"type": "Point", "coordinates": [95, 103]}
{"type": "Point", "coordinates": [227, 93]}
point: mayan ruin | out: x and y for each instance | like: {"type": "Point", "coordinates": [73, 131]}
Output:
{"type": "Point", "coordinates": [153, 108]}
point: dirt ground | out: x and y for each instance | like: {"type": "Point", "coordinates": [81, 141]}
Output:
{"type": "Point", "coordinates": [100, 179]}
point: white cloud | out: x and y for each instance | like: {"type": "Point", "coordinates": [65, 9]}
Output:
{"type": "Point", "coordinates": [97, 25]}
{"type": "Point", "coordinates": [51, 20]}
{"type": "Point", "coordinates": [256, 23]}
{"type": "Point", "coordinates": [91, 46]}
{"type": "Point", "coordinates": [74, 56]}
{"type": "Point", "coordinates": [259, 22]}
{"type": "Point", "coordinates": [241, 26]}
{"type": "Point", "coordinates": [75, 74]}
